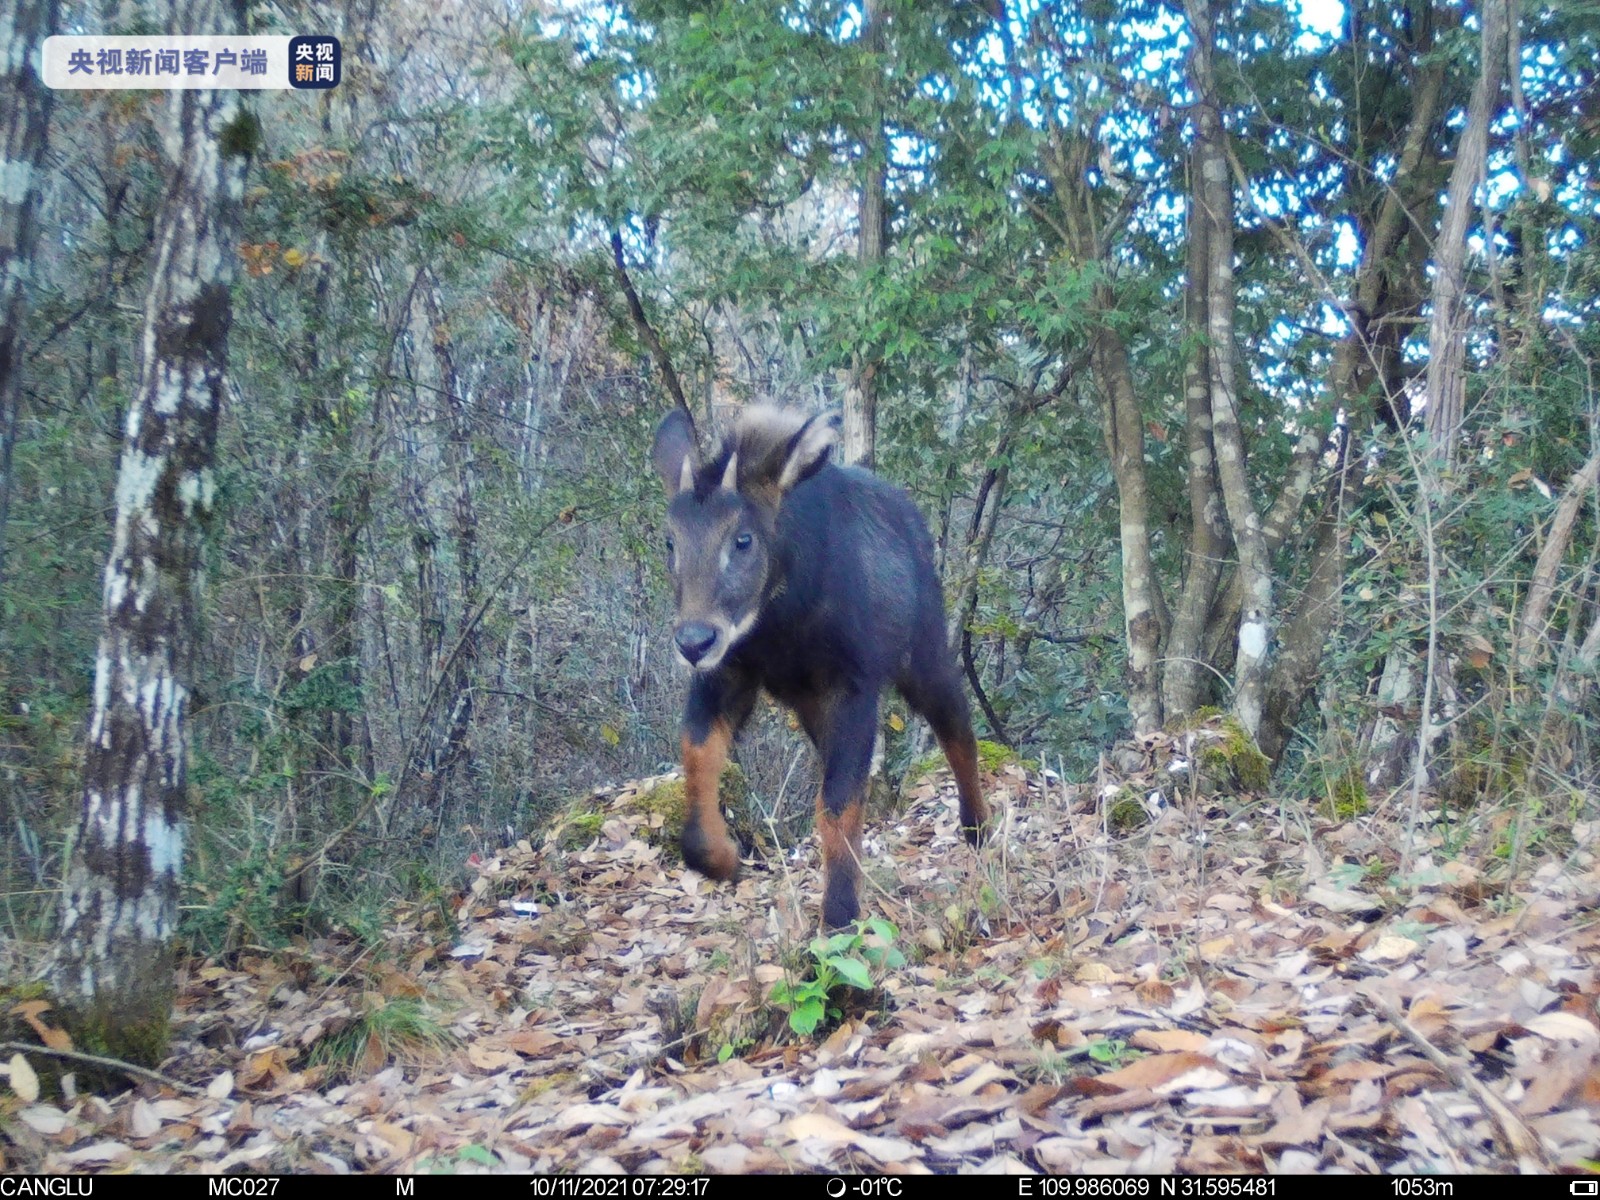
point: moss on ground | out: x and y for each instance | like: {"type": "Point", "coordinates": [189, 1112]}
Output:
{"type": "Point", "coordinates": [664, 804]}
{"type": "Point", "coordinates": [992, 757]}
{"type": "Point", "coordinates": [1125, 811]}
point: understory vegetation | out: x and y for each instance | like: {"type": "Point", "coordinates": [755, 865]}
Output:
{"type": "Point", "coordinates": [1147, 305]}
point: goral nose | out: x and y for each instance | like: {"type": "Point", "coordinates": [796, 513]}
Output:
{"type": "Point", "coordinates": [694, 639]}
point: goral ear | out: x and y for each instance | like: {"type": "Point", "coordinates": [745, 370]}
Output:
{"type": "Point", "coordinates": [808, 450]}
{"type": "Point", "coordinates": [676, 456]}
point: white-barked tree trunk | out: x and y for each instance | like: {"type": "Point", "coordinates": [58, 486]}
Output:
{"type": "Point", "coordinates": [113, 972]}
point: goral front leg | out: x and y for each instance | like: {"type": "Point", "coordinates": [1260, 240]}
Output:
{"type": "Point", "coordinates": [719, 702]}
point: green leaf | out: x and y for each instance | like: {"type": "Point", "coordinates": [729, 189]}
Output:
{"type": "Point", "coordinates": [852, 970]}
{"type": "Point", "coordinates": [805, 1018]}
{"type": "Point", "coordinates": [1106, 1050]}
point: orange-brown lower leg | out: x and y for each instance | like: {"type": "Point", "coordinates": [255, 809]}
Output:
{"type": "Point", "coordinates": [706, 844]}
{"type": "Point", "coordinates": [841, 859]}
{"type": "Point", "coordinates": [961, 752]}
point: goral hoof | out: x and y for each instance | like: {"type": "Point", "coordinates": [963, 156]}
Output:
{"type": "Point", "coordinates": [714, 857]}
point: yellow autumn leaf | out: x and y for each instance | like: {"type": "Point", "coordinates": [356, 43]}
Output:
{"type": "Point", "coordinates": [295, 257]}
{"type": "Point", "coordinates": [896, 722]}
{"type": "Point", "coordinates": [610, 735]}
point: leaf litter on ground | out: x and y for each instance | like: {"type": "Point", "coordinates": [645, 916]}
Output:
{"type": "Point", "coordinates": [1197, 995]}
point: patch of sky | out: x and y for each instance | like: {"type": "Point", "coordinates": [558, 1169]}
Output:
{"type": "Point", "coordinates": [1321, 21]}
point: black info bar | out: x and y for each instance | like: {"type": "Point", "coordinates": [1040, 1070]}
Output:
{"type": "Point", "coordinates": [782, 1187]}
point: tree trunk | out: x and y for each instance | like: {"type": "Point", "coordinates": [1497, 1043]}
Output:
{"type": "Point", "coordinates": [861, 393]}
{"type": "Point", "coordinates": [1213, 190]}
{"type": "Point", "coordinates": [24, 121]}
{"type": "Point", "coordinates": [1143, 612]}
{"type": "Point", "coordinates": [113, 973]}
{"type": "Point", "coordinates": [464, 526]}
{"type": "Point", "coordinates": [1184, 675]}
{"type": "Point", "coordinates": [1447, 331]}
{"type": "Point", "coordinates": [1532, 633]}
{"type": "Point", "coordinates": [1305, 629]}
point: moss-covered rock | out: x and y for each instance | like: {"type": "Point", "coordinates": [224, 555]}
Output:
{"type": "Point", "coordinates": [580, 828]}
{"type": "Point", "coordinates": [1226, 756]}
{"type": "Point", "coordinates": [1125, 811]}
{"type": "Point", "coordinates": [30, 1012]}
{"type": "Point", "coordinates": [992, 756]}
{"type": "Point", "coordinates": [1236, 752]}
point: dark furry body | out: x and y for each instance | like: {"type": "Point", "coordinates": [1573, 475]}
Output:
{"type": "Point", "coordinates": [851, 603]}
{"type": "Point", "coordinates": [855, 604]}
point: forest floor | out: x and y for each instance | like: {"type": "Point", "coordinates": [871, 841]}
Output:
{"type": "Point", "coordinates": [1210, 992]}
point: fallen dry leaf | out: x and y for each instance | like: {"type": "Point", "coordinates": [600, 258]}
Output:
{"type": "Point", "coordinates": [607, 1011]}
{"type": "Point", "coordinates": [24, 1082]}
{"type": "Point", "coordinates": [1180, 1071]}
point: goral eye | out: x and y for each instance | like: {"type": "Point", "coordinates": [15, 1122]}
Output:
{"type": "Point", "coordinates": [742, 542]}
{"type": "Point", "coordinates": [669, 545]}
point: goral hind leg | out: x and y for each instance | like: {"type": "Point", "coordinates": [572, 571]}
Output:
{"type": "Point", "coordinates": [937, 695]}
{"type": "Point", "coordinates": [846, 745]}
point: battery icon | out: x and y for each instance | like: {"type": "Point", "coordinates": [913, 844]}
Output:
{"type": "Point", "coordinates": [1584, 1187]}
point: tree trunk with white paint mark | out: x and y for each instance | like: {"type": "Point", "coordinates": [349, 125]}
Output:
{"type": "Point", "coordinates": [24, 119]}
{"type": "Point", "coordinates": [113, 971]}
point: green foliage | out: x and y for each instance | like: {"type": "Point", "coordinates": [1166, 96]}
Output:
{"type": "Point", "coordinates": [1110, 1052]}
{"type": "Point", "coordinates": [1058, 1067]}
{"type": "Point", "coordinates": [734, 1048]}
{"type": "Point", "coordinates": [400, 1027]}
{"type": "Point", "coordinates": [326, 688]}
{"type": "Point", "coordinates": [1347, 795]}
{"type": "Point", "coordinates": [850, 959]}
{"type": "Point", "coordinates": [246, 905]}
{"type": "Point", "coordinates": [471, 1155]}
{"type": "Point", "coordinates": [241, 137]}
